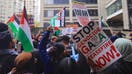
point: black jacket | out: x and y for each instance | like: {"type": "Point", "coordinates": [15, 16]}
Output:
{"type": "Point", "coordinates": [6, 61]}
{"type": "Point", "coordinates": [119, 67]}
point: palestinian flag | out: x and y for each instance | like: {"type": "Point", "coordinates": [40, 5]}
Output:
{"type": "Point", "coordinates": [13, 23]}
{"type": "Point", "coordinates": [56, 31]}
{"type": "Point", "coordinates": [59, 19]}
{"type": "Point", "coordinates": [24, 34]}
{"type": "Point", "coordinates": [102, 24]}
{"type": "Point", "coordinates": [54, 20]}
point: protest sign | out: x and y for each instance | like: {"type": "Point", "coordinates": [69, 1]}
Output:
{"type": "Point", "coordinates": [81, 13]}
{"type": "Point", "coordinates": [96, 46]}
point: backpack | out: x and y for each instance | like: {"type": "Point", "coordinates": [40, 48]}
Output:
{"type": "Point", "coordinates": [6, 63]}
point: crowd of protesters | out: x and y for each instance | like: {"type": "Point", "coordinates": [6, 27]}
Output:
{"type": "Point", "coordinates": [53, 55]}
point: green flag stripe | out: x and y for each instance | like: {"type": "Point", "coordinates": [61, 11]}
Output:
{"type": "Point", "coordinates": [24, 40]}
{"type": "Point", "coordinates": [13, 28]}
{"type": "Point", "coordinates": [104, 24]}
{"type": "Point", "coordinates": [52, 20]}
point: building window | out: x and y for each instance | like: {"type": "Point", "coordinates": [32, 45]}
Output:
{"type": "Point", "coordinates": [114, 7]}
{"type": "Point", "coordinates": [130, 13]}
{"type": "Point", "coordinates": [56, 11]}
{"type": "Point", "coordinates": [93, 12]}
{"type": "Point", "coordinates": [56, 1]}
{"type": "Point", "coordinates": [67, 13]}
{"type": "Point", "coordinates": [48, 1]}
{"type": "Point", "coordinates": [61, 1]}
{"type": "Point", "coordinates": [51, 13]}
{"type": "Point", "coordinates": [46, 24]}
{"type": "Point", "coordinates": [88, 1]}
{"type": "Point", "coordinates": [48, 13]}
{"type": "Point", "coordinates": [73, 14]}
{"type": "Point", "coordinates": [129, 1]}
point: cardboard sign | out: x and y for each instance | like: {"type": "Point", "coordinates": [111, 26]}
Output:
{"type": "Point", "coordinates": [96, 46]}
{"type": "Point", "coordinates": [81, 13]}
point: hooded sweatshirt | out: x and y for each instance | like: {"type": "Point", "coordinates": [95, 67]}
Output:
{"type": "Point", "coordinates": [124, 46]}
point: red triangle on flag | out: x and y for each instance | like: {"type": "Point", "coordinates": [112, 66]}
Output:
{"type": "Point", "coordinates": [11, 19]}
{"type": "Point", "coordinates": [59, 18]}
{"type": "Point", "coordinates": [56, 28]}
{"type": "Point", "coordinates": [24, 16]}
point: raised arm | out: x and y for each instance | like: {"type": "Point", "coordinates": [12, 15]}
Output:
{"type": "Point", "coordinates": [43, 53]}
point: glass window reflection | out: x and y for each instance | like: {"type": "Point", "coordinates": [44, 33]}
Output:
{"type": "Point", "coordinates": [114, 7]}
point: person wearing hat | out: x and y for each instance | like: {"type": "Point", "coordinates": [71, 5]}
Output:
{"type": "Point", "coordinates": [124, 64]}
{"type": "Point", "coordinates": [7, 50]}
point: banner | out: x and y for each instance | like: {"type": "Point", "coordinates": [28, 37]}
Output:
{"type": "Point", "coordinates": [96, 46]}
{"type": "Point", "coordinates": [81, 13]}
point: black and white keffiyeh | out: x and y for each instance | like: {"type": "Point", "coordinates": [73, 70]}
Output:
{"type": "Point", "coordinates": [4, 34]}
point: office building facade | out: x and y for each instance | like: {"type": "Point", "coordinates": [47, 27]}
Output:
{"type": "Point", "coordinates": [117, 13]}
{"type": "Point", "coordinates": [6, 9]}
{"type": "Point", "coordinates": [51, 7]}
{"type": "Point", "coordinates": [9, 7]}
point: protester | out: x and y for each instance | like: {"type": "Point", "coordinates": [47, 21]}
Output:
{"type": "Point", "coordinates": [21, 63]}
{"type": "Point", "coordinates": [82, 65]}
{"type": "Point", "coordinates": [39, 35]}
{"type": "Point", "coordinates": [7, 50]}
{"type": "Point", "coordinates": [28, 62]}
{"type": "Point", "coordinates": [46, 58]}
{"type": "Point", "coordinates": [67, 66]}
{"type": "Point", "coordinates": [54, 61]}
{"type": "Point", "coordinates": [124, 64]}
{"type": "Point", "coordinates": [53, 38]}
{"type": "Point", "coordinates": [65, 40]}
{"type": "Point", "coordinates": [125, 48]}
{"type": "Point", "coordinates": [113, 38]}
{"type": "Point", "coordinates": [120, 34]}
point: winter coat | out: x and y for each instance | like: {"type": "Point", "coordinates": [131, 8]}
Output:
{"type": "Point", "coordinates": [7, 57]}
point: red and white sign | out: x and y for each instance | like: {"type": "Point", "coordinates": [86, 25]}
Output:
{"type": "Point", "coordinates": [96, 46]}
{"type": "Point", "coordinates": [81, 13]}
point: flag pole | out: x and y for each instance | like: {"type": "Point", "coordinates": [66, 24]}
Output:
{"type": "Point", "coordinates": [24, 2]}
{"type": "Point", "coordinates": [64, 16]}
